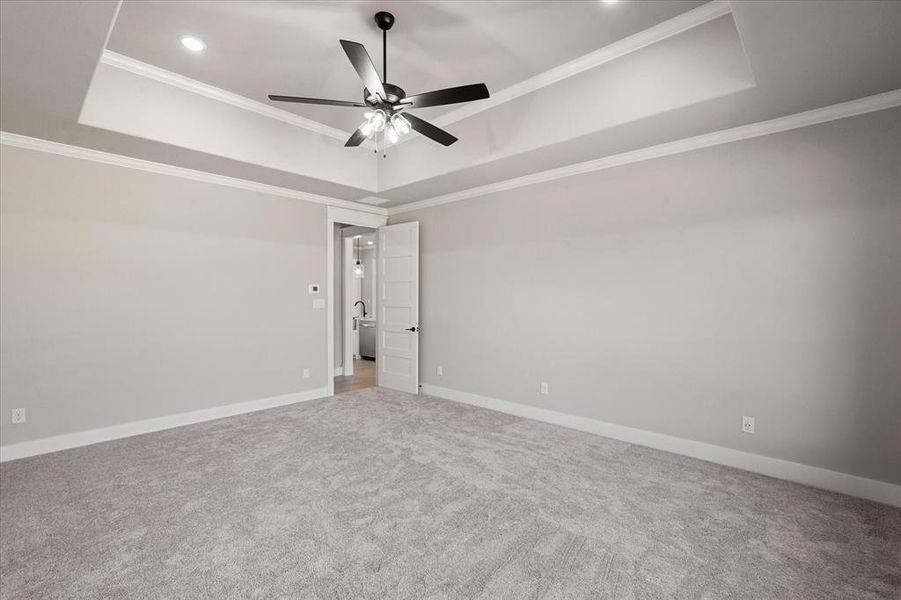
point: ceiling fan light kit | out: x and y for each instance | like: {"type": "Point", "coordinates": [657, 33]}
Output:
{"type": "Point", "coordinates": [384, 122]}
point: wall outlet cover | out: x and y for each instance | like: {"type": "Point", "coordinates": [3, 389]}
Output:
{"type": "Point", "coordinates": [440, 370]}
{"type": "Point", "coordinates": [747, 424]}
{"type": "Point", "coordinates": [306, 373]}
{"type": "Point", "coordinates": [17, 416]}
{"type": "Point", "coordinates": [544, 388]}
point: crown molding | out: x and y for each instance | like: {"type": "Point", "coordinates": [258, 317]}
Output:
{"type": "Point", "coordinates": [370, 204]}
{"type": "Point", "coordinates": [137, 67]}
{"type": "Point", "coordinates": [30, 143]}
{"type": "Point", "coordinates": [374, 200]}
{"type": "Point", "coordinates": [816, 116]}
{"type": "Point", "coordinates": [657, 33]}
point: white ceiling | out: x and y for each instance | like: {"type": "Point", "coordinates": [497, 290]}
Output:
{"type": "Point", "coordinates": [759, 60]}
{"type": "Point", "coordinates": [291, 48]}
{"type": "Point", "coordinates": [49, 51]}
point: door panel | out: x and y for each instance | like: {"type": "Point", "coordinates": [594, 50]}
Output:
{"type": "Point", "coordinates": [398, 306]}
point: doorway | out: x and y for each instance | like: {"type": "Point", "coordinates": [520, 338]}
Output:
{"type": "Point", "coordinates": [338, 219]}
{"type": "Point", "coordinates": [395, 300]}
{"type": "Point", "coordinates": [358, 312]}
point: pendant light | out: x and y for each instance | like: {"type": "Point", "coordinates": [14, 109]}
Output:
{"type": "Point", "coordinates": [358, 267]}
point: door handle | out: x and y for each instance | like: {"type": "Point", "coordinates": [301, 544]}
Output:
{"type": "Point", "coordinates": [414, 329]}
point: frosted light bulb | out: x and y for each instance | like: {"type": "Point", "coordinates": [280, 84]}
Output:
{"type": "Point", "coordinates": [391, 134]}
{"type": "Point", "coordinates": [378, 120]}
{"type": "Point", "coordinates": [401, 124]}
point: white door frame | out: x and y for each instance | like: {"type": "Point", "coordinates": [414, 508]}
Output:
{"type": "Point", "coordinates": [347, 304]}
{"type": "Point", "coordinates": [346, 216]}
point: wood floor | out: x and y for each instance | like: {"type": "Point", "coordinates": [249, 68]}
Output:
{"type": "Point", "coordinates": [364, 376]}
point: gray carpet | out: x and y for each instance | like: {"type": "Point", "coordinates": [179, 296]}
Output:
{"type": "Point", "coordinates": [376, 494]}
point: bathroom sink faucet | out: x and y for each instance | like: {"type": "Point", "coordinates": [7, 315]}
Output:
{"type": "Point", "coordinates": [364, 306]}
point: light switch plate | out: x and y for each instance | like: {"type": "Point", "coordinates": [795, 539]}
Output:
{"type": "Point", "coordinates": [318, 303]}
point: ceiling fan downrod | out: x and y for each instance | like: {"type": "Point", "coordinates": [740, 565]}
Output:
{"type": "Point", "coordinates": [385, 21]}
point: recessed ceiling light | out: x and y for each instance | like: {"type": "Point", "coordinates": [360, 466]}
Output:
{"type": "Point", "coordinates": [370, 243]}
{"type": "Point", "coordinates": [610, 1]}
{"type": "Point", "coordinates": [192, 43]}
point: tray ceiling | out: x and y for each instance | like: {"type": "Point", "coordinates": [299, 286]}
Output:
{"type": "Point", "coordinates": [260, 48]}
{"type": "Point", "coordinates": [651, 73]}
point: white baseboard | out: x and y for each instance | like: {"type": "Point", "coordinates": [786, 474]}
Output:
{"type": "Point", "coordinates": [339, 371]}
{"type": "Point", "coordinates": [861, 487]}
{"type": "Point", "coordinates": [115, 432]}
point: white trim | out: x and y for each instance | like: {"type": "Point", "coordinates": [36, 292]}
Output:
{"type": "Point", "coordinates": [374, 200]}
{"type": "Point", "coordinates": [361, 216]}
{"type": "Point", "coordinates": [816, 116]}
{"type": "Point", "coordinates": [657, 33]}
{"type": "Point", "coordinates": [137, 67]}
{"type": "Point", "coordinates": [861, 487]}
{"type": "Point", "coordinates": [30, 143]}
{"type": "Point", "coordinates": [124, 430]}
{"type": "Point", "coordinates": [348, 217]}
{"type": "Point", "coordinates": [339, 371]}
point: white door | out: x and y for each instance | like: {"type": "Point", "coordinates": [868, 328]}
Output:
{"type": "Point", "coordinates": [398, 307]}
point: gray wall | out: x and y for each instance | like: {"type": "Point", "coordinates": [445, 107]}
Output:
{"type": "Point", "coordinates": [126, 295]}
{"type": "Point", "coordinates": [759, 278]}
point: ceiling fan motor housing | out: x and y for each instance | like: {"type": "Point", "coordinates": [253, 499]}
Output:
{"type": "Point", "coordinates": [395, 95]}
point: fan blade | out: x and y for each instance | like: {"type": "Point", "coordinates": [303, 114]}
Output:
{"type": "Point", "coordinates": [356, 139]}
{"type": "Point", "coordinates": [454, 95]}
{"type": "Point", "coordinates": [314, 101]}
{"type": "Point", "coordinates": [359, 58]}
{"type": "Point", "coordinates": [429, 130]}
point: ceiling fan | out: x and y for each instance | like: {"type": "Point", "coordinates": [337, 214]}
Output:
{"type": "Point", "coordinates": [387, 101]}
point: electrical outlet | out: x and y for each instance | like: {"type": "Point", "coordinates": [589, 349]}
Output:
{"type": "Point", "coordinates": [18, 416]}
{"type": "Point", "coordinates": [306, 373]}
{"type": "Point", "coordinates": [747, 424]}
{"type": "Point", "coordinates": [440, 370]}
{"type": "Point", "coordinates": [544, 388]}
